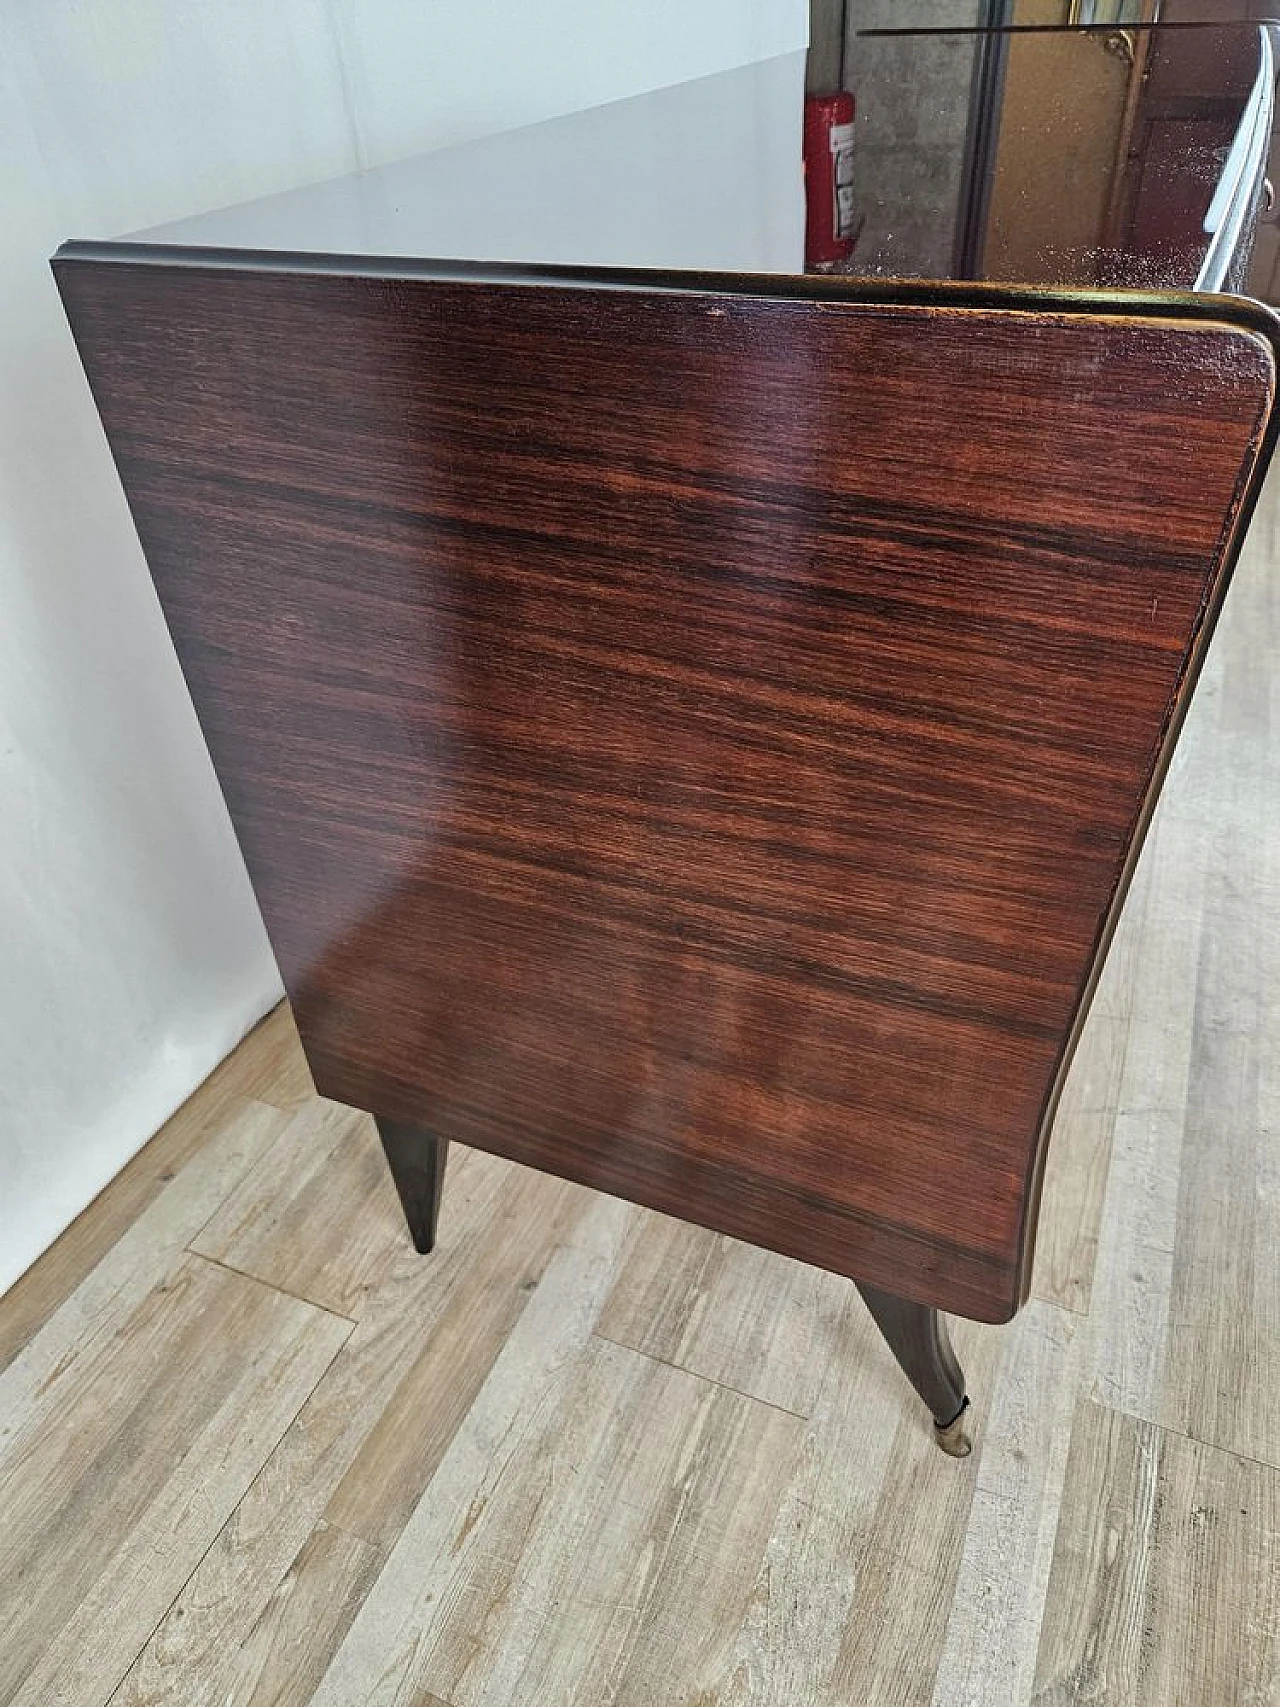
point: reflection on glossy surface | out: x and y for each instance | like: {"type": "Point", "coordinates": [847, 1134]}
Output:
{"type": "Point", "coordinates": [640, 778]}
{"type": "Point", "coordinates": [1068, 156]}
{"type": "Point", "coordinates": [704, 174]}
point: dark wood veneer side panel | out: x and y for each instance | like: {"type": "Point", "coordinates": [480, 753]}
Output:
{"type": "Point", "coordinates": [686, 742]}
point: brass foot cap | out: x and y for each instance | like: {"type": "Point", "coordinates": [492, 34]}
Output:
{"type": "Point", "coordinates": [954, 1437]}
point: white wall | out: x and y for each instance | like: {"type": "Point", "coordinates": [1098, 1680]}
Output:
{"type": "Point", "coordinates": [131, 953]}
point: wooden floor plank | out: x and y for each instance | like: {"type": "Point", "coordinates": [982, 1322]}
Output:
{"type": "Point", "coordinates": [84, 1325]}
{"type": "Point", "coordinates": [1074, 1194]}
{"type": "Point", "coordinates": [910, 1552]}
{"type": "Point", "coordinates": [744, 1317]}
{"type": "Point", "coordinates": [268, 1067]}
{"type": "Point", "coordinates": [567, 1576]}
{"type": "Point", "coordinates": [368, 1441]}
{"type": "Point", "coordinates": [1220, 1380]}
{"type": "Point", "coordinates": [105, 1515]}
{"type": "Point", "coordinates": [318, 1216]}
{"type": "Point", "coordinates": [1189, 1333]}
{"type": "Point", "coordinates": [396, 1632]}
{"type": "Point", "coordinates": [285, 1654]}
{"type": "Point", "coordinates": [1166, 1574]}
{"type": "Point", "coordinates": [726, 1517]}
{"type": "Point", "coordinates": [818, 1565]}
{"type": "Point", "coordinates": [989, 1654]}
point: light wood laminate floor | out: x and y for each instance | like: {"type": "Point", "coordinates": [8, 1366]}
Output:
{"type": "Point", "coordinates": [253, 1450]}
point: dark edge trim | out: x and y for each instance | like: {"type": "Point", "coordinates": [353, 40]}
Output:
{"type": "Point", "coordinates": [1236, 312]}
{"type": "Point", "coordinates": [806, 287]}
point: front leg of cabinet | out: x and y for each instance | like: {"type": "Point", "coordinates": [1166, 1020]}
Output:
{"type": "Point", "coordinates": [417, 1161]}
{"type": "Point", "coordinates": [917, 1336]}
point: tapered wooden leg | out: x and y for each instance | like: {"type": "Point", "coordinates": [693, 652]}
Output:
{"type": "Point", "coordinates": [918, 1338]}
{"type": "Point", "coordinates": [417, 1159]}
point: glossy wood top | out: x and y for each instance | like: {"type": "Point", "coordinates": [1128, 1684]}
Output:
{"type": "Point", "coordinates": [690, 736]}
{"type": "Point", "coordinates": [1064, 156]}
{"type": "Point", "coordinates": [702, 174]}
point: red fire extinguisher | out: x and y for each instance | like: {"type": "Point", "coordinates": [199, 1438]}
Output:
{"type": "Point", "coordinates": [828, 180]}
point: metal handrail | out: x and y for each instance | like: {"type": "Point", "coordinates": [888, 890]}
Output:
{"type": "Point", "coordinates": [1237, 189]}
